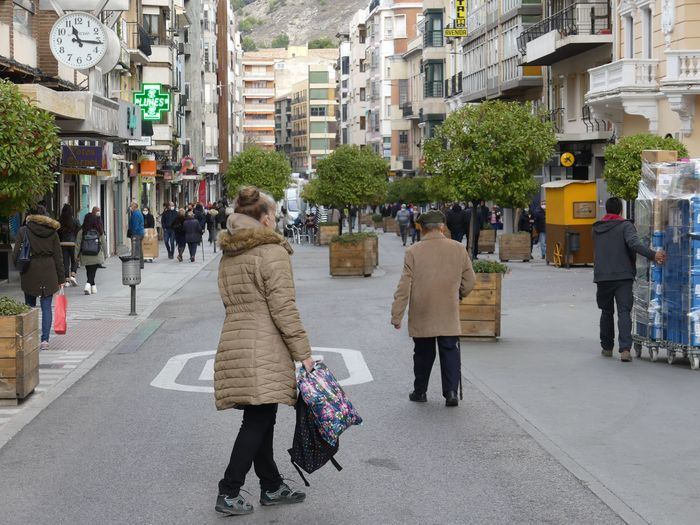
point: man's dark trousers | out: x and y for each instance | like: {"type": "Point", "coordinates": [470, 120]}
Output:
{"type": "Point", "coordinates": [609, 293]}
{"type": "Point", "coordinates": [424, 357]}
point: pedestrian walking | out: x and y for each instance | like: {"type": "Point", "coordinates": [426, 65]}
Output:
{"type": "Point", "coordinates": [495, 218]}
{"type": "Point", "coordinates": [92, 249]}
{"type": "Point", "coordinates": [136, 231]}
{"type": "Point", "coordinates": [261, 339]}
{"type": "Point", "coordinates": [166, 221]}
{"type": "Point", "coordinates": [457, 222]}
{"type": "Point", "coordinates": [149, 221]}
{"type": "Point", "coordinates": [615, 243]}
{"type": "Point", "coordinates": [526, 223]}
{"type": "Point", "coordinates": [437, 274]}
{"type": "Point", "coordinates": [415, 226]}
{"type": "Point", "coordinates": [193, 234]}
{"type": "Point", "coordinates": [403, 218]}
{"type": "Point", "coordinates": [67, 233]}
{"type": "Point", "coordinates": [45, 274]}
{"type": "Point", "coordinates": [179, 230]}
{"type": "Point", "coordinates": [540, 226]}
{"type": "Point", "coordinates": [212, 223]}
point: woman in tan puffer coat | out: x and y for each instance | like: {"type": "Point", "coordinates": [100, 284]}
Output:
{"type": "Point", "coordinates": [261, 338]}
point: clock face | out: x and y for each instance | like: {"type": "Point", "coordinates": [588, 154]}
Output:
{"type": "Point", "coordinates": [78, 40]}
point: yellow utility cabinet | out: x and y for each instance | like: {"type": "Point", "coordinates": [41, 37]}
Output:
{"type": "Point", "coordinates": [571, 212]}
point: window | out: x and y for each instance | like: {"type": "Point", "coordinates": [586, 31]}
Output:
{"type": "Point", "coordinates": [403, 144]}
{"type": "Point", "coordinates": [400, 26]}
{"type": "Point", "coordinates": [387, 107]}
{"type": "Point", "coordinates": [388, 27]}
{"type": "Point", "coordinates": [318, 94]}
{"type": "Point", "coordinates": [363, 94]}
{"type": "Point", "coordinates": [432, 34]}
{"type": "Point", "coordinates": [571, 98]}
{"type": "Point", "coordinates": [151, 24]}
{"type": "Point", "coordinates": [206, 56]}
{"type": "Point", "coordinates": [321, 144]}
{"type": "Point", "coordinates": [318, 77]}
{"type": "Point", "coordinates": [319, 127]}
{"type": "Point", "coordinates": [363, 122]}
{"type": "Point", "coordinates": [23, 16]}
{"type": "Point", "coordinates": [318, 111]}
{"type": "Point", "coordinates": [629, 36]}
{"type": "Point", "coordinates": [433, 79]}
{"type": "Point", "coordinates": [345, 112]}
{"type": "Point", "coordinates": [403, 91]}
{"type": "Point", "coordinates": [646, 32]}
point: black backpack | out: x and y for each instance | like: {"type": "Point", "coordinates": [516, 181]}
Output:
{"type": "Point", "coordinates": [309, 450]}
{"type": "Point", "coordinates": [90, 245]}
{"type": "Point", "coordinates": [25, 253]}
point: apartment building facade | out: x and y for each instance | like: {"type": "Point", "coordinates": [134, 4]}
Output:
{"type": "Point", "coordinates": [258, 100]}
{"type": "Point", "coordinates": [356, 122]}
{"type": "Point", "coordinates": [652, 84]}
{"type": "Point", "coordinates": [283, 125]}
{"type": "Point", "coordinates": [314, 110]}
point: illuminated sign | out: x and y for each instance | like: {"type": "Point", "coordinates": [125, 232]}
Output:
{"type": "Point", "coordinates": [460, 14]}
{"type": "Point", "coordinates": [568, 159]}
{"type": "Point", "coordinates": [455, 33]}
{"type": "Point", "coordinates": [152, 102]}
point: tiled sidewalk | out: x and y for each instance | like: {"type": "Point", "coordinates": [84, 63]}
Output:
{"type": "Point", "coordinates": [99, 322]}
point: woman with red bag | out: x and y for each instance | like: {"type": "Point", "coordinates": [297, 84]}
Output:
{"type": "Point", "coordinates": [44, 275]}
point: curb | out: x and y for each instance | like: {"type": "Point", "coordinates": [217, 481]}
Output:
{"type": "Point", "coordinates": [35, 406]}
{"type": "Point", "coordinates": [597, 487]}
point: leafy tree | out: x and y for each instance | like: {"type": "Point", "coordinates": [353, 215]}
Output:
{"type": "Point", "coordinates": [248, 44]}
{"type": "Point", "coordinates": [351, 176]}
{"type": "Point", "coordinates": [490, 151]}
{"type": "Point", "coordinates": [438, 190]}
{"type": "Point", "coordinates": [325, 42]}
{"type": "Point", "coordinates": [280, 41]}
{"type": "Point", "coordinates": [409, 189]}
{"type": "Point", "coordinates": [623, 161]}
{"type": "Point", "coordinates": [268, 170]}
{"type": "Point", "coordinates": [29, 147]}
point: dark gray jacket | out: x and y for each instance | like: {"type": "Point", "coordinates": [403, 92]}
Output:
{"type": "Point", "coordinates": [616, 244]}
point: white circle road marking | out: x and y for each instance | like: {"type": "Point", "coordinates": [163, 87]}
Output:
{"type": "Point", "coordinates": [167, 377]}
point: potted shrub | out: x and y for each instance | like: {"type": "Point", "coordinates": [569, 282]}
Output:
{"type": "Point", "coordinates": [19, 349]}
{"type": "Point", "coordinates": [480, 311]}
{"type": "Point", "coordinates": [351, 176]}
{"type": "Point", "coordinates": [353, 254]}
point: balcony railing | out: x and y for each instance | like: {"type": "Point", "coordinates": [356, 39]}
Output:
{"type": "Point", "coordinates": [404, 151]}
{"type": "Point", "coordinates": [433, 39]}
{"type": "Point", "coordinates": [556, 117]}
{"type": "Point", "coordinates": [433, 89]}
{"type": "Point", "coordinates": [630, 73]}
{"type": "Point", "coordinates": [580, 18]}
{"type": "Point", "coordinates": [682, 66]}
{"type": "Point", "coordinates": [299, 116]}
{"type": "Point", "coordinates": [407, 109]}
{"type": "Point", "coordinates": [258, 123]}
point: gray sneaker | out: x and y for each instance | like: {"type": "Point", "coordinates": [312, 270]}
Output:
{"type": "Point", "coordinates": [233, 505]}
{"type": "Point", "coordinates": [282, 496]}
{"type": "Point", "coordinates": [606, 353]}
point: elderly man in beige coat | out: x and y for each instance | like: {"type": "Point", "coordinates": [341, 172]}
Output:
{"type": "Point", "coordinates": [437, 272]}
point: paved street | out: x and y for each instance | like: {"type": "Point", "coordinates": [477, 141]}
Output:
{"type": "Point", "coordinates": [548, 432]}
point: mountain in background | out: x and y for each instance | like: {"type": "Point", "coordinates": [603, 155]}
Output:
{"type": "Point", "coordinates": [300, 20]}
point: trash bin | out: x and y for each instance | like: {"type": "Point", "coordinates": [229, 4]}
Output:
{"type": "Point", "coordinates": [131, 270]}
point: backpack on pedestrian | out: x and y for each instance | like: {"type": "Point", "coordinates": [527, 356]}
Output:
{"type": "Point", "coordinates": [90, 244]}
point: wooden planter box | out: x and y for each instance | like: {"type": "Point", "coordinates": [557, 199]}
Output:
{"type": "Point", "coordinates": [352, 259]}
{"type": "Point", "coordinates": [480, 311]}
{"type": "Point", "coordinates": [326, 232]}
{"type": "Point", "coordinates": [390, 225]}
{"type": "Point", "coordinates": [374, 244]}
{"type": "Point", "coordinates": [515, 247]}
{"type": "Point", "coordinates": [366, 220]}
{"type": "Point", "coordinates": [487, 241]}
{"type": "Point", "coordinates": [19, 355]}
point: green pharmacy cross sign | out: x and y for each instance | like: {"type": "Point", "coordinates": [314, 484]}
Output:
{"type": "Point", "coordinates": [151, 101]}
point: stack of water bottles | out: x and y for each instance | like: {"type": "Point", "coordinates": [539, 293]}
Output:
{"type": "Point", "coordinates": [666, 313]}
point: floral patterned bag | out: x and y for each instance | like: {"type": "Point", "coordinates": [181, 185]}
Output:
{"type": "Point", "coordinates": [332, 410]}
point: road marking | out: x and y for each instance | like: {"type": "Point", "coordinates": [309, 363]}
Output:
{"type": "Point", "coordinates": [167, 377]}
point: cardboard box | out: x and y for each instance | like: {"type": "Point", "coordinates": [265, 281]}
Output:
{"type": "Point", "coordinates": [659, 155]}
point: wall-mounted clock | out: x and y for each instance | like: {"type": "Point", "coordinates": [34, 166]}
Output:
{"type": "Point", "coordinates": [78, 40]}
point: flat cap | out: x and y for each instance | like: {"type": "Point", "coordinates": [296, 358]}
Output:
{"type": "Point", "coordinates": [432, 217]}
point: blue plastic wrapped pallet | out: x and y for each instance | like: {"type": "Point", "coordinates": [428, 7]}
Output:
{"type": "Point", "coordinates": [667, 298]}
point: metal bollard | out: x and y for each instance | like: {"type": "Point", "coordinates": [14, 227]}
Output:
{"type": "Point", "coordinates": [131, 276]}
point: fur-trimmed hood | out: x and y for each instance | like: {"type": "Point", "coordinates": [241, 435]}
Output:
{"type": "Point", "coordinates": [244, 233]}
{"type": "Point", "coordinates": [42, 225]}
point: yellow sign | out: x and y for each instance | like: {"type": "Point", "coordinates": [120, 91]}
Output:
{"type": "Point", "coordinates": [567, 159]}
{"type": "Point", "coordinates": [460, 14]}
{"type": "Point", "coordinates": [455, 33]}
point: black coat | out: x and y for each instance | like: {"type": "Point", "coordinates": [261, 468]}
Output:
{"type": "Point", "coordinates": [167, 219]}
{"type": "Point", "coordinates": [457, 220]}
{"type": "Point", "coordinates": [615, 244]}
{"type": "Point", "coordinates": [193, 231]}
{"type": "Point", "coordinates": [526, 221]}
{"type": "Point", "coordinates": [540, 220]}
{"type": "Point", "coordinates": [178, 227]}
{"type": "Point", "coordinates": [149, 221]}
